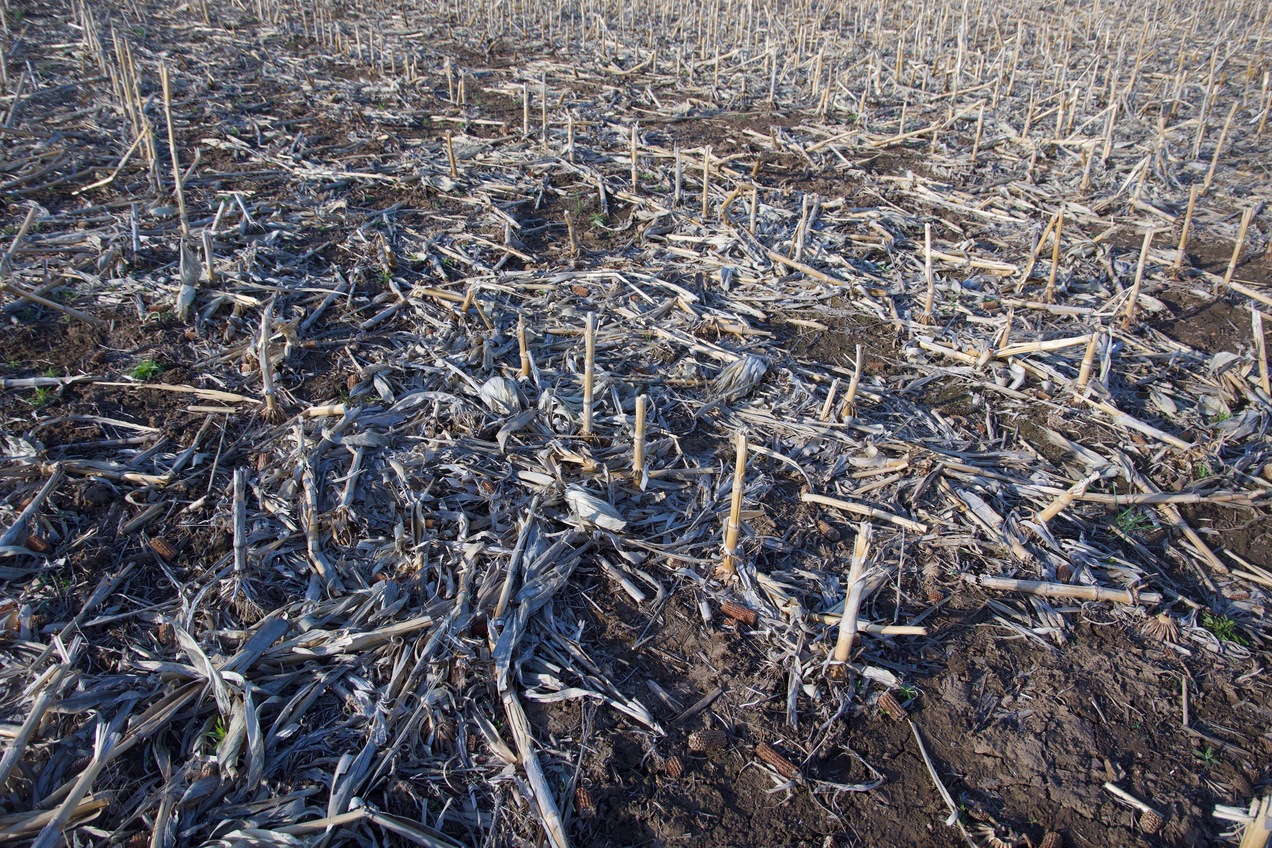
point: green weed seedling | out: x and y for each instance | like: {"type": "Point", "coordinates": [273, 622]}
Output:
{"type": "Point", "coordinates": [145, 370]}
{"type": "Point", "coordinates": [1133, 521]}
{"type": "Point", "coordinates": [44, 395]}
{"type": "Point", "coordinates": [1224, 628]}
{"type": "Point", "coordinates": [216, 731]}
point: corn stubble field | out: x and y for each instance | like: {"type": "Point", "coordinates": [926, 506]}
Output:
{"type": "Point", "coordinates": [654, 423]}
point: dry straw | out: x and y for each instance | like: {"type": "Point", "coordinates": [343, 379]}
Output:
{"type": "Point", "coordinates": [926, 316]}
{"type": "Point", "coordinates": [1193, 191]}
{"type": "Point", "coordinates": [852, 603]}
{"type": "Point", "coordinates": [728, 566]}
{"type": "Point", "coordinates": [589, 371]}
{"type": "Point", "coordinates": [1132, 299]}
{"type": "Point", "coordinates": [706, 183]}
{"type": "Point", "coordinates": [1260, 350]}
{"type": "Point", "coordinates": [1246, 217]}
{"type": "Point", "coordinates": [523, 348]}
{"type": "Point", "coordinates": [439, 516]}
{"type": "Point", "coordinates": [638, 442]}
{"type": "Point", "coordinates": [177, 188]}
{"type": "Point", "coordinates": [450, 156]}
{"type": "Point", "coordinates": [850, 399]}
{"type": "Point", "coordinates": [1050, 294]}
{"type": "Point", "coordinates": [1223, 136]}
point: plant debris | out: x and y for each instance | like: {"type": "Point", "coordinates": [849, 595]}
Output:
{"type": "Point", "coordinates": [428, 424]}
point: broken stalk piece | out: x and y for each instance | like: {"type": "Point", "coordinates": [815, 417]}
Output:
{"type": "Point", "coordinates": [209, 257]}
{"type": "Point", "coordinates": [850, 400]}
{"type": "Point", "coordinates": [638, 443]}
{"type": "Point", "coordinates": [524, 371]}
{"type": "Point", "coordinates": [172, 147]}
{"type": "Point", "coordinates": [272, 413]}
{"type": "Point", "coordinates": [1050, 294]}
{"type": "Point", "coordinates": [1150, 820]}
{"type": "Point", "coordinates": [1258, 831]}
{"type": "Point", "coordinates": [450, 157]}
{"type": "Point", "coordinates": [852, 604]}
{"type": "Point", "coordinates": [1088, 360]}
{"type": "Point", "coordinates": [1065, 498]}
{"type": "Point", "coordinates": [926, 317]}
{"type": "Point", "coordinates": [728, 566]}
{"type": "Point", "coordinates": [824, 415]}
{"type": "Point", "coordinates": [1064, 590]}
{"type": "Point", "coordinates": [1133, 298]}
{"type": "Point", "coordinates": [1246, 217]}
{"type": "Point", "coordinates": [1260, 349]}
{"type": "Point", "coordinates": [1223, 136]}
{"type": "Point", "coordinates": [589, 370]}
{"type": "Point", "coordinates": [706, 182]}
{"type": "Point", "coordinates": [1183, 233]}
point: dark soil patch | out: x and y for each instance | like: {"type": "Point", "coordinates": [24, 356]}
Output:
{"type": "Point", "coordinates": [727, 133]}
{"type": "Point", "coordinates": [725, 797]}
{"type": "Point", "coordinates": [597, 229]}
{"type": "Point", "coordinates": [1207, 326]}
{"type": "Point", "coordinates": [1023, 732]}
{"type": "Point", "coordinates": [1245, 532]}
{"type": "Point", "coordinates": [897, 161]}
{"type": "Point", "coordinates": [1026, 732]}
{"type": "Point", "coordinates": [322, 377]}
{"type": "Point", "coordinates": [1213, 255]}
{"type": "Point", "coordinates": [948, 398]}
{"type": "Point", "coordinates": [44, 343]}
{"type": "Point", "coordinates": [837, 345]}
